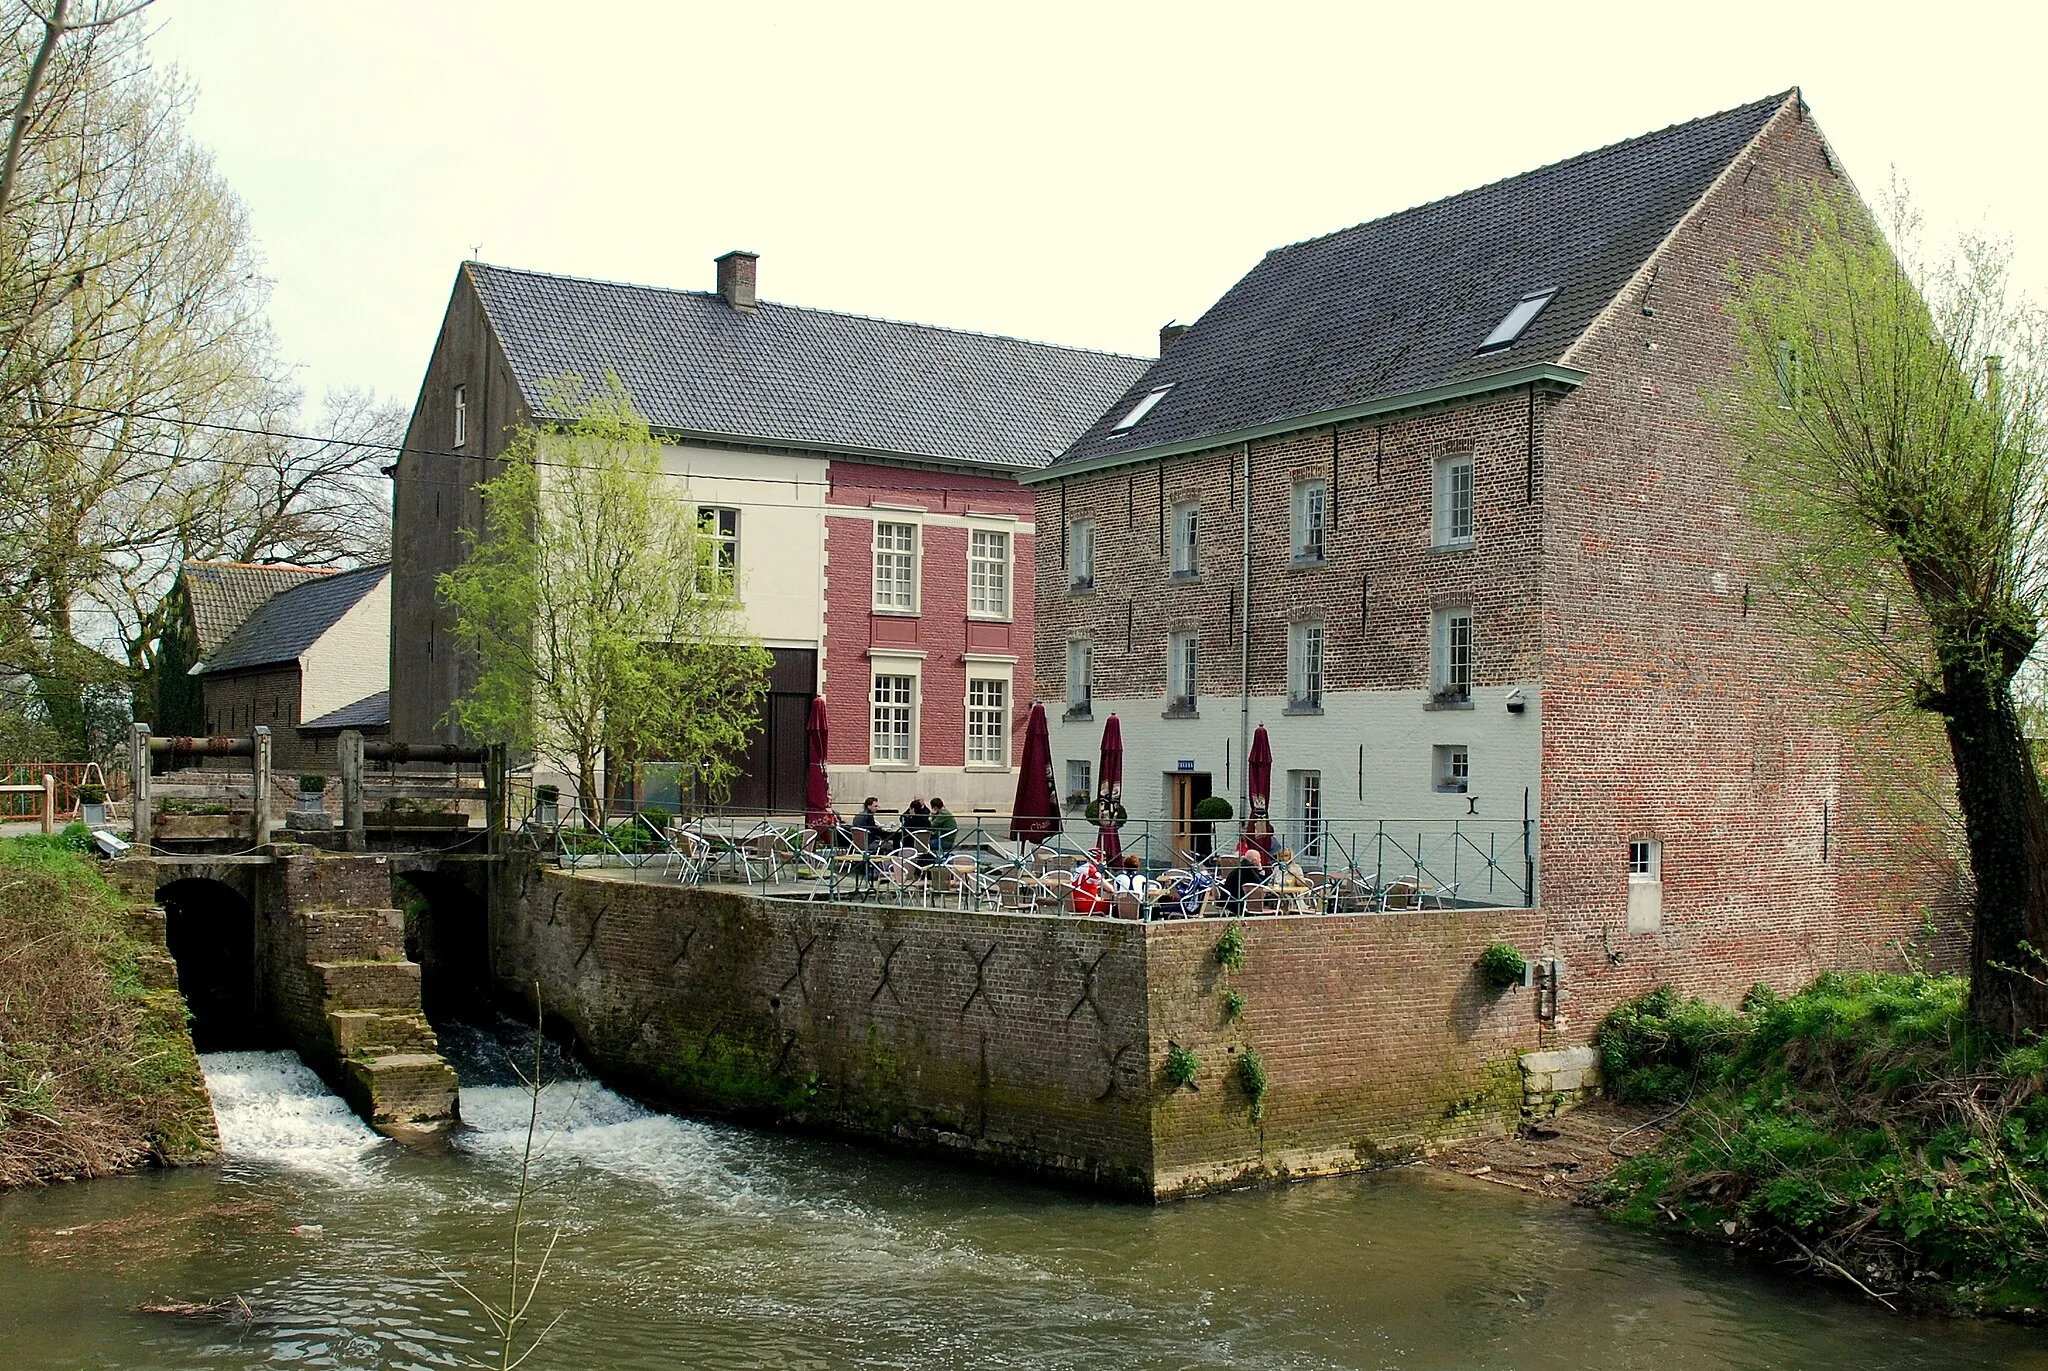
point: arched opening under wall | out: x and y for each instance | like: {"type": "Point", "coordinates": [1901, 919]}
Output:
{"type": "Point", "coordinates": [447, 931]}
{"type": "Point", "coordinates": [211, 930]}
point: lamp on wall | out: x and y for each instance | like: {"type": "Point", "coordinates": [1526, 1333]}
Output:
{"type": "Point", "coordinates": [1517, 701]}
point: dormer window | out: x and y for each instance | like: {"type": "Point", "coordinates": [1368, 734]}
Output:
{"type": "Point", "coordinates": [1519, 318]}
{"type": "Point", "coordinates": [1141, 409]}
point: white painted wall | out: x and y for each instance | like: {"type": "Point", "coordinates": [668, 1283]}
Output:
{"type": "Point", "coordinates": [781, 500]}
{"type": "Point", "coordinates": [350, 660]}
{"type": "Point", "coordinates": [1393, 782]}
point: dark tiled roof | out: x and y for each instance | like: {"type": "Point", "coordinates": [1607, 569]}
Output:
{"type": "Point", "coordinates": [1401, 304]}
{"type": "Point", "coordinates": [372, 711]}
{"type": "Point", "coordinates": [284, 626]}
{"type": "Point", "coordinates": [802, 378]}
{"type": "Point", "coordinates": [224, 594]}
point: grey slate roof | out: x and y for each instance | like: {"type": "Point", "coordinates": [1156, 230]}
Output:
{"type": "Point", "coordinates": [288, 623]}
{"type": "Point", "coordinates": [372, 711]}
{"type": "Point", "coordinates": [802, 378]}
{"type": "Point", "coordinates": [224, 594]}
{"type": "Point", "coordinates": [1401, 304]}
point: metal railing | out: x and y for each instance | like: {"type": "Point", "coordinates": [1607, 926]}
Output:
{"type": "Point", "coordinates": [1164, 870]}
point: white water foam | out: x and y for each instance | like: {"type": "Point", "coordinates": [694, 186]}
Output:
{"type": "Point", "coordinates": [582, 1123]}
{"type": "Point", "coordinates": [270, 1107]}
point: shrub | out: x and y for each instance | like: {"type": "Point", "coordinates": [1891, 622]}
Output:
{"type": "Point", "coordinates": [1181, 1066]}
{"type": "Point", "coordinates": [656, 817]}
{"type": "Point", "coordinates": [1251, 1077]}
{"type": "Point", "coordinates": [1233, 1005]}
{"type": "Point", "coordinates": [311, 783]}
{"type": "Point", "coordinates": [1212, 808]}
{"type": "Point", "coordinates": [1659, 1048]}
{"type": "Point", "coordinates": [1230, 949]}
{"type": "Point", "coordinates": [92, 794]}
{"type": "Point", "coordinates": [1502, 966]}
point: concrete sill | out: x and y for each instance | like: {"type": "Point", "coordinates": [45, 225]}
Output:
{"type": "Point", "coordinates": [892, 766]}
{"type": "Point", "coordinates": [1302, 710]}
{"type": "Point", "coordinates": [895, 613]}
{"type": "Point", "coordinates": [1462, 545]}
{"type": "Point", "coordinates": [1181, 714]}
{"type": "Point", "coordinates": [974, 618]}
{"type": "Point", "coordinates": [1308, 563]}
{"type": "Point", "coordinates": [1181, 577]}
{"type": "Point", "coordinates": [1434, 704]}
{"type": "Point", "coordinates": [1078, 716]}
{"type": "Point", "coordinates": [1076, 592]}
{"type": "Point", "coordinates": [988, 768]}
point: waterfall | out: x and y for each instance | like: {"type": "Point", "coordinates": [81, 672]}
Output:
{"type": "Point", "coordinates": [270, 1107]}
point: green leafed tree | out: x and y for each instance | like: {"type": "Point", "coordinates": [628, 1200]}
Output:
{"type": "Point", "coordinates": [603, 626]}
{"type": "Point", "coordinates": [1890, 414]}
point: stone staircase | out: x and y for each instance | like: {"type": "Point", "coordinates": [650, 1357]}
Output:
{"type": "Point", "coordinates": [390, 1064]}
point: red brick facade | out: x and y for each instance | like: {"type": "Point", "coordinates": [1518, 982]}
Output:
{"type": "Point", "coordinates": [944, 507]}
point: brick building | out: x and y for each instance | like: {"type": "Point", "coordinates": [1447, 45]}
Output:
{"type": "Point", "coordinates": [301, 651]}
{"type": "Point", "coordinates": [1438, 500]}
{"type": "Point", "coordinates": [860, 475]}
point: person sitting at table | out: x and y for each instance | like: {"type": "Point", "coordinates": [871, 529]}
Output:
{"type": "Point", "coordinates": [867, 825]}
{"type": "Point", "coordinates": [945, 828]}
{"type": "Point", "coordinates": [1251, 867]}
{"type": "Point", "coordinates": [1288, 877]}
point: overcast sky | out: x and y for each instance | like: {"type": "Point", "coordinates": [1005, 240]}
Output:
{"type": "Point", "coordinates": [1080, 173]}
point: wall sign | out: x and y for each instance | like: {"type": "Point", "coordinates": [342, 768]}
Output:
{"type": "Point", "coordinates": [1184, 764]}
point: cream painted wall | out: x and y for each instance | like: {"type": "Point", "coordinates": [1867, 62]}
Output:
{"type": "Point", "coordinates": [781, 500]}
{"type": "Point", "coordinates": [351, 659]}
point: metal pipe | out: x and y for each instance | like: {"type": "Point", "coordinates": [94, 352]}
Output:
{"type": "Point", "coordinates": [1244, 640]}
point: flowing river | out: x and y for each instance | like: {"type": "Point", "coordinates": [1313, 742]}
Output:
{"type": "Point", "coordinates": [684, 1243]}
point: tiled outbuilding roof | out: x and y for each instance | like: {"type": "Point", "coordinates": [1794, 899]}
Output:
{"type": "Point", "coordinates": [1401, 305]}
{"type": "Point", "coordinates": [372, 711]}
{"type": "Point", "coordinates": [803, 378]}
{"type": "Point", "coordinates": [283, 627]}
{"type": "Point", "coordinates": [224, 594]}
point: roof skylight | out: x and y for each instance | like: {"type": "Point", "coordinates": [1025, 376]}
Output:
{"type": "Point", "coordinates": [1519, 318]}
{"type": "Point", "coordinates": [1141, 409]}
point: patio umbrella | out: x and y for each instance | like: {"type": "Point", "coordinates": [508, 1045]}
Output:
{"type": "Point", "coordinates": [1259, 787]}
{"type": "Point", "coordinates": [818, 783]}
{"type": "Point", "coordinates": [1035, 816]}
{"type": "Point", "coordinates": [1109, 791]}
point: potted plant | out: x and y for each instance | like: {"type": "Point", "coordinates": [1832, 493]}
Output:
{"type": "Point", "coordinates": [92, 805]}
{"type": "Point", "coordinates": [546, 802]}
{"type": "Point", "coordinates": [1078, 800]}
{"type": "Point", "coordinates": [1209, 811]}
{"type": "Point", "coordinates": [312, 791]}
{"type": "Point", "coordinates": [1502, 967]}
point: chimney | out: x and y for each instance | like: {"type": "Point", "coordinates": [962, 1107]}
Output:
{"type": "Point", "coordinates": [1167, 333]}
{"type": "Point", "coordinates": [736, 279]}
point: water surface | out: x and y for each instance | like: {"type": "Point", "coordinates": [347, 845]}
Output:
{"type": "Point", "coordinates": [685, 1243]}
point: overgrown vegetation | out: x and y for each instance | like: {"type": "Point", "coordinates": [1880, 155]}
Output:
{"type": "Point", "coordinates": [1233, 1005]}
{"type": "Point", "coordinates": [1866, 1127]}
{"type": "Point", "coordinates": [97, 1072]}
{"type": "Point", "coordinates": [1181, 1066]}
{"type": "Point", "coordinates": [1252, 1079]}
{"type": "Point", "coordinates": [1501, 966]}
{"type": "Point", "coordinates": [1230, 949]}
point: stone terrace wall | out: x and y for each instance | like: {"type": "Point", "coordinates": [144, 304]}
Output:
{"type": "Point", "coordinates": [1378, 1040]}
{"type": "Point", "coordinates": [1039, 1043]}
{"type": "Point", "coordinates": [1021, 1040]}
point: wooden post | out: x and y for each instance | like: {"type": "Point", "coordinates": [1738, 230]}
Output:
{"type": "Point", "coordinates": [352, 789]}
{"type": "Point", "coordinates": [494, 797]}
{"type": "Point", "coordinates": [259, 822]}
{"type": "Point", "coordinates": [138, 776]}
{"type": "Point", "coordinates": [49, 803]}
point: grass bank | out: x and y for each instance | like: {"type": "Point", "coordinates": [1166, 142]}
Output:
{"type": "Point", "coordinates": [97, 1072]}
{"type": "Point", "coordinates": [1862, 1128]}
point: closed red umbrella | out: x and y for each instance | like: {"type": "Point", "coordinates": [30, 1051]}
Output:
{"type": "Point", "coordinates": [1109, 790]}
{"type": "Point", "coordinates": [1035, 816]}
{"type": "Point", "coordinates": [1259, 786]}
{"type": "Point", "coordinates": [818, 783]}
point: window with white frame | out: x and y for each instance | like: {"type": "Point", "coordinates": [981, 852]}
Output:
{"type": "Point", "coordinates": [461, 415]}
{"type": "Point", "coordinates": [1081, 554]}
{"type": "Point", "coordinates": [1180, 672]}
{"type": "Point", "coordinates": [1080, 675]}
{"type": "Point", "coordinates": [1308, 812]}
{"type": "Point", "coordinates": [896, 567]}
{"type": "Point", "coordinates": [1454, 496]}
{"type": "Point", "coordinates": [988, 721]}
{"type": "Point", "coordinates": [718, 561]}
{"type": "Point", "coordinates": [892, 737]}
{"type": "Point", "coordinates": [1187, 531]}
{"type": "Point", "coordinates": [1080, 781]}
{"type": "Point", "coordinates": [1311, 519]}
{"type": "Point", "coordinates": [1451, 765]}
{"type": "Point", "coordinates": [1451, 673]}
{"type": "Point", "coordinates": [1305, 666]}
{"type": "Point", "coordinates": [1645, 885]}
{"type": "Point", "coordinates": [988, 573]}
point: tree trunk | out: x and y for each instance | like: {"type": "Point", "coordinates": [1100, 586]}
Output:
{"type": "Point", "coordinates": [2007, 826]}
